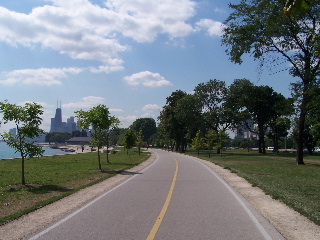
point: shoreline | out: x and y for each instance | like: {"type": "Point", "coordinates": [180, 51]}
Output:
{"type": "Point", "coordinates": [65, 149]}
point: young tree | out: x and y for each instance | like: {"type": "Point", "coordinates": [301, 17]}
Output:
{"type": "Point", "coordinates": [295, 39]}
{"type": "Point", "coordinates": [198, 142]}
{"type": "Point", "coordinates": [27, 121]}
{"type": "Point", "coordinates": [100, 120]}
{"type": "Point", "coordinates": [139, 141]}
{"type": "Point", "coordinates": [129, 139]}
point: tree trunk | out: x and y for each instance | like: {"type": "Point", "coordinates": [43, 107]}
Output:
{"type": "Point", "coordinates": [262, 147]}
{"type": "Point", "coordinates": [99, 158]}
{"type": "Point", "coordinates": [108, 151]}
{"type": "Point", "coordinates": [218, 150]}
{"type": "Point", "coordinates": [23, 179]}
{"type": "Point", "coordinates": [108, 155]}
{"type": "Point", "coordinates": [301, 125]}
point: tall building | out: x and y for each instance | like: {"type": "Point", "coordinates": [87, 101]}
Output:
{"type": "Point", "coordinates": [71, 125]}
{"type": "Point", "coordinates": [58, 126]}
{"type": "Point", "coordinates": [245, 129]}
{"type": "Point", "coordinates": [56, 122]}
{"type": "Point", "coordinates": [13, 131]}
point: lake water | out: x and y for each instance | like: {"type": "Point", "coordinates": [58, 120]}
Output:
{"type": "Point", "coordinates": [8, 152]}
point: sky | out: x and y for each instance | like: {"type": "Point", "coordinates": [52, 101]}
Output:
{"type": "Point", "coordinates": [129, 55]}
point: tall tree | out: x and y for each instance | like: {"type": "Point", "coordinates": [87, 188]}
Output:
{"type": "Point", "coordinates": [147, 126]}
{"type": "Point", "coordinates": [259, 103]}
{"type": "Point", "coordinates": [216, 114]}
{"type": "Point", "coordinates": [280, 118]}
{"type": "Point", "coordinates": [294, 38]}
{"type": "Point", "coordinates": [169, 124]}
{"type": "Point", "coordinates": [100, 120]}
{"type": "Point", "coordinates": [27, 121]}
{"type": "Point", "coordinates": [179, 118]}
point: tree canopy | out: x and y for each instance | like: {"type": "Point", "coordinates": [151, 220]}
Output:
{"type": "Point", "coordinates": [294, 38]}
{"type": "Point", "coordinates": [147, 126]}
{"type": "Point", "coordinates": [99, 119]}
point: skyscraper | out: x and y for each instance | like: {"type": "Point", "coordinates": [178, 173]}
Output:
{"type": "Point", "coordinates": [56, 122]}
{"type": "Point", "coordinates": [58, 126]}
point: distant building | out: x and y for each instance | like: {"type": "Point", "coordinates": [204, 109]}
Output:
{"type": "Point", "coordinates": [71, 125]}
{"type": "Point", "coordinates": [245, 129]}
{"type": "Point", "coordinates": [58, 126]}
{"type": "Point", "coordinates": [13, 131]}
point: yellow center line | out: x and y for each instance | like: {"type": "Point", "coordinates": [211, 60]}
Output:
{"type": "Point", "coordinates": [158, 222]}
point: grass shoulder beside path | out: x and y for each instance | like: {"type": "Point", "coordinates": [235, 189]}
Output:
{"type": "Point", "coordinates": [277, 175]}
{"type": "Point", "coordinates": [51, 178]}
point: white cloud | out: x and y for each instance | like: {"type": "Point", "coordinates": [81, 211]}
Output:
{"type": "Point", "coordinates": [87, 102]}
{"type": "Point", "coordinates": [127, 121]}
{"type": "Point", "coordinates": [86, 31]}
{"type": "Point", "coordinates": [143, 20]}
{"type": "Point", "coordinates": [147, 79]}
{"type": "Point", "coordinates": [219, 10]}
{"type": "Point", "coordinates": [212, 27]}
{"type": "Point", "coordinates": [115, 110]}
{"type": "Point", "coordinates": [151, 110]}
{"type": "Point", "coordinates": [41, 76]}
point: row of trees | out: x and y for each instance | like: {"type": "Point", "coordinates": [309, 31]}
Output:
{"type": "Point", "coordinates": [282, 31]}
{"type": "Point", "coordinates": [214, 108]}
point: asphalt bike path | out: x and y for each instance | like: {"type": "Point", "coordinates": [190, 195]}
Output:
{"type": "Point", "coordinates": [176, 197]}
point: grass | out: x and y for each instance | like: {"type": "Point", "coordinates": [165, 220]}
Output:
{"type": "Point", "coordinates": [54, 177]}
{"type": "Point", "coordinates": [277, 175]}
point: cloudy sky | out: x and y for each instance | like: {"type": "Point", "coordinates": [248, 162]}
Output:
{"type": "Point", "coordinates": [127, 54]}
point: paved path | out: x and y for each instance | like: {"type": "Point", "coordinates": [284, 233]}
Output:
{"type": "Point", "coordinates": [175, 198]}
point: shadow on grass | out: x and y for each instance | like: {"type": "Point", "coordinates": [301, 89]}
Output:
{"type": "Point", "coordinates": [48, 188]}
{"type": "Point", "coordinates": [38, 189]}
{"type": "Point", "coordinates": [122, 172]}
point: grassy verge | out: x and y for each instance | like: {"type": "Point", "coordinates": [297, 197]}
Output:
{"type": "Point", "coordinates": [277, 175]}
{"type": "Point", "coordinates": [54, 177]}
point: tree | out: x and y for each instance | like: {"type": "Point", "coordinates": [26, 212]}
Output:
{"type": "Point", "coordinates": [295, 39]}
{"type": "Point", "coordinates": [139, 141]}
{"type": "Point", "coordinates": [129, 139]}
{"type": "Point", "coordinates": [27, 121]}
{"type": "Point", "coordinates": [259, 103]}
{"type": "Point", "coordinates": [296, 6]}
{"type": "Point", "coordinates": [179, 119]}
{"type": "Point", "coordinates": [147, 126]}
{"type": "Point", "coordinates": [78, 133]}
{"type": "Point", "coordinates": [169, 125]}
{"type": "Point", "coordinates": [100, 120]}
{"type": "Point", "coordinates": [198, 142]}
{"type": "Point", "coordinates": [280, 123]}
{"type": "Point", "coordinates": [57, 137]}
{"type": "Point", "coordinates": [216, 114]}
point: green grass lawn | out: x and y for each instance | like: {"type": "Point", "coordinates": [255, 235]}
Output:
{"type": "Point", "coordinates": [277, 175]}
{"type": "Point", "coordinates": [53, 177]}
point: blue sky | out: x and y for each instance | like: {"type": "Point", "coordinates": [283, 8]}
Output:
{"type": "Point", "coordinates": [127, 54]}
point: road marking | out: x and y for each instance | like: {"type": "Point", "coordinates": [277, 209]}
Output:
{"type": "Point", "coordinates": [158, 222]}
